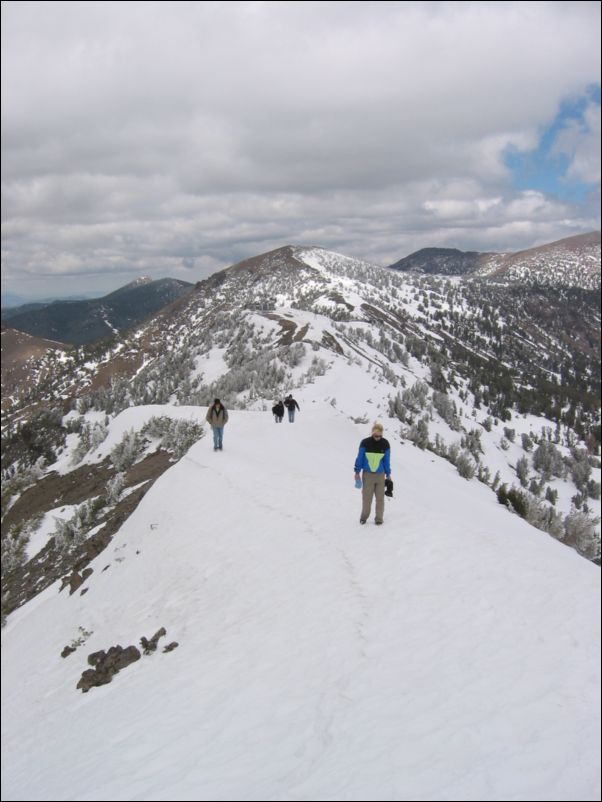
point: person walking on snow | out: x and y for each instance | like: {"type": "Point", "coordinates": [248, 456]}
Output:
{"type": "Point", "coordinates": [217, 417]}
{"type": "Point", "coordinates": [291, 405]}
{"type": "Point", "coordinates": [374, 460]}
{"type": "Point", "coordinates": [278, 411]}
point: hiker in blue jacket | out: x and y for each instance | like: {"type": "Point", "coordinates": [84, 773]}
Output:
{"type": "Point", "coordinates": [374, 460]}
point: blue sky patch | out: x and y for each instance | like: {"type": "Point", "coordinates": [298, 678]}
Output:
{"type": "Point", "coordinates": [545, 168]}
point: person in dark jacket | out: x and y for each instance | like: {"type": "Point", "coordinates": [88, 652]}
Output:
{"type": "Point", "coordinates": [278, 411]}
{"type": "Point", "coordinates": [374, 461]}
{"type": "Point", "coordinates": [291, 405]}
{"type": "Point", "coordinates": [217, 417]}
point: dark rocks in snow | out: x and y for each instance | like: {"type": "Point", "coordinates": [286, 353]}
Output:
{"type": "Point", "coordinates": [106, 665]}
{"type": "Point", "coordinates": [151, 645]}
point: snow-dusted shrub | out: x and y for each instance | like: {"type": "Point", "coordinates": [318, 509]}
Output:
{"type": "Point", "coordinates": [175, 436]}
{"type": "Point", "coordinates": [580, 532]}
{"type": "Point", "coordinates": [439, 446]}
{"type": "Point", "coordinates": [416, 396]}
{"type": "Point", "coordinates": [181, 436]}
{"type": "Point", "coordinates": [13, 545]}
{"type": "Point", "coordinates": [89, 438]}
{"type": "Point", "coordinates": [115, 487]}
{"type": "Point", "coordinates": [18, 479]}
{"type": "Point", "coordinates": [125, 453]}
{"type": "Point", "coordinates": [514, 499]}
{"type": "Point", "coordinates": [526, 441]}
{"type": "Point", "coordinates": [466, 465]}
{"type": "Point", "coordinates": [472, 443]}
{"type": "Point", "coordinates": [72, 532]}
{"type": "Point", "coordinates": [522, 471]}
{"type": "Point", "coordinates": [453, 453]}
{"type": "Point", "coordinates": [544, 517]}
{"type": "Point", "coordinates": [580, 469]}
{"type": "Point", "coordinates": [389, 375]}
{"type": "Point", "coordinates": [419, 433]}
{"type": "Point", "coordinates": [446, 409]}
{"type": "Point", "coordinates": [398, 410]}
{"type": "Point", "coordinates": [547, 459]}
{"type": "Point", "coordinates": [510, 434]}
{"type": "Point", "coordinates": [536, 487]}
{"type": "Point", "coordinates": [292, 355]}
{"type": "Point", "coordinates": [318, 367]}
{"type": "Point", "coordinates": [483, 474]}
{"type": "Point", "coordinates": [593, 489]}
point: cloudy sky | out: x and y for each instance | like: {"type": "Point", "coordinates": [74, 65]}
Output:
{"type": "Point", "coordinates": [173, 139]}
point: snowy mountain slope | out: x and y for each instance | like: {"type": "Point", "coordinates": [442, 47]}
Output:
{"type": "Point", "coordinates": [20, 352]}
{"type": "Point", "coordinates": [510, 394]}
{"type": "Point", "coordinates": [569, 262]}
{"type": "Point", "coordinates": [450, 654]}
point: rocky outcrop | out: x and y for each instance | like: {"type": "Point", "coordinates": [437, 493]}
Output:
{"type": "Point", "coordinates": [150, 646]}
{"type": "Point", "coordinates": [106, 665]}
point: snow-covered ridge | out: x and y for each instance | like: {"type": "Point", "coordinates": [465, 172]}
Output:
{"type": "Point", "coordinates": [568, 263]}
{"type": "Point", "coordinates": [451, 653]}
{"type": "Point", "coordinates": [447, 654]}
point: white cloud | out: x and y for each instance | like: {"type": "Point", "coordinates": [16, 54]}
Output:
{"type": "Point", "coordinates": [215, 128]}
{"type": "Point", "coordinates": [580, 141]}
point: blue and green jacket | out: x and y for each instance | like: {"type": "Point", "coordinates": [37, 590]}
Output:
{"type": "Point", "coordinates": [374, 456]}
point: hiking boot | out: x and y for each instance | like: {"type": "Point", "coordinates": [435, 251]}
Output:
{"type": "Point", "coordinates": [362, 520]}
{"type": "Point", "coordinates": [378, 523]}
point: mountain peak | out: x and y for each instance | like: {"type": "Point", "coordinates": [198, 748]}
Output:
{"type": "Point", "coordinates": [138, 282]}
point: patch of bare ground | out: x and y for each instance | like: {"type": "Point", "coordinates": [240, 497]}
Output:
{"type": "Point", "coordinates": [51, 564]}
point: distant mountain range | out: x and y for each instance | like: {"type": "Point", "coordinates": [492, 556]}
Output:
{"type": "Point", "coordinates": [570, 262]}
{"type": "Point", "coordinates": [10, 301]}
{"type": "Point", "coordinates": [79, 322]}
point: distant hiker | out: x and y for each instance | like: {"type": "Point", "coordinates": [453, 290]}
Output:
{"type": "Point", "coordinates": [278, 411]}
{"type": "Point", "coordinates": [217, 417]}
{"type": "Point", "coordinates": [374, 460]}
{"type": "Point", "coordinates": [291, 405]}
